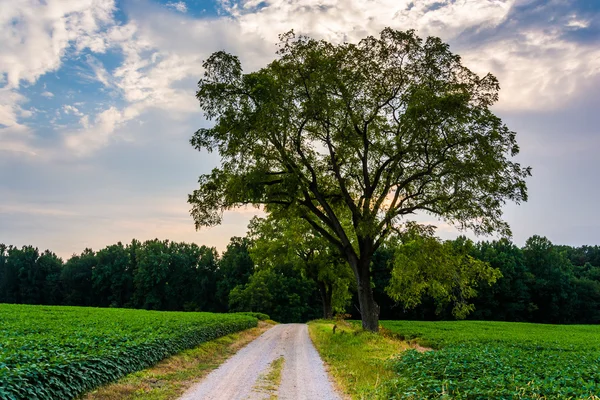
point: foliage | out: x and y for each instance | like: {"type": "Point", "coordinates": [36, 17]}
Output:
{"type": "Point", "coordinates": [291, 242]}
{"type": "Point", "coordinates": [443, 270]}
{"type": "Point", "coordinates": [257, 315]}
{"type": "Point", "coordinates": [175, 276]}
{"type": "Point", "coordinates": [28, 276]}
{"type": "Point", "coordinates": [478, 360]}
{"type": "Point", "coordinates": [235, 268]}
{"type": "Point", "coordinates": [281, 292]}
{"type": "Point", "coordinates": [60, 352]}
{"type": "Point", "coordinates": [552, 291]}
{"type": "Point", "coordinates": [540, 282]}
{"type": "Point", "coordinates": [368, 133]}
{"type": "Point", "coordinates": [510, 298]}
{"type": "Point", "coordinates": [113, 277]}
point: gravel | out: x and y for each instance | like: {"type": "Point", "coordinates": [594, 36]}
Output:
{"type": "Point", "coordinates": [303, 376]}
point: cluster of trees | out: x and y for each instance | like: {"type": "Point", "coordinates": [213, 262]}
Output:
{"type": "Point", "coordinates": [158, 275]}
{"type": "Point", "coordinates": [282, 271]}
{"type": "Point", "coordinates": [539, 282]}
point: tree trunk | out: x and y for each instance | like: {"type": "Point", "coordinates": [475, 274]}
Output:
{"type": "Point", "coordinates": [369, 310]}
{"type": "Point", "coordinates": [326, 295]}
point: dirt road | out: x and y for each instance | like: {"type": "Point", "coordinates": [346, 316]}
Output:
{"type": "Point", "coordinates": [303, 376]}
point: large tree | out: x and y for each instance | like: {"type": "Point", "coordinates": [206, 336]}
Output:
{"type": "Point", "coordinates": [368, 132]}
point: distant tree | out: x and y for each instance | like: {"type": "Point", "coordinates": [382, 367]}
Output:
{"type": "Point", "coordinates": [50, 266]}
{"type": "Point", "coordinates": [175, 276]}
{"type": "Point", "coordinates": [586, 309]}
{"type": "Point", "coordinates": [76, 279]}
{"type": "Point", "coordinates": [578, 256]}
{"type": "Point", "coordinates": [31, 276]}
{"type": "Point", "coordinates": [368, 133]}
{"type": "Point", "coordinates": [152, 275]}
{"type": "Point", "coordinates": [9, 275]}
{"type": "Point", "coordinates": [112, 278]}
{"type": "Point", "coordinates": [205, 285]}
{"type": "Point", "coordinates": [281, 292]}
{"type": "Point", "coordinates": [292, 242]}
{"type": "Point", "coordinates": [553, 291]}
{"type": "Point", "coordinates": [510, 298]}
{"type": "Point", "coordinates": [235, 268]}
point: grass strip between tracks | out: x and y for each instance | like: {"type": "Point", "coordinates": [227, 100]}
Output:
{"type": "Point", "coordinates": [172, 376]}
{"type": "Point", "coordinates": [268, 383]}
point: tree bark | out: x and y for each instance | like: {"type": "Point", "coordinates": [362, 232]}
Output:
{"type": "Point", "coordinates": [369, 310]}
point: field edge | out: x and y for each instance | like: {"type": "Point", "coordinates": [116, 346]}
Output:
{"type": "Point", "coordinates": [172, 376]}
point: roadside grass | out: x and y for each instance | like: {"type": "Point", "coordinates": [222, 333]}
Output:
{"type": "Point", "coordinates": [355, 358]}
{"type": "Point", "coordinates": [171, 377]}
{"type": "Point", "coordinates": [269, 382]}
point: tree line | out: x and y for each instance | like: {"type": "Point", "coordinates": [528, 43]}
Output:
{"type": "Point", "coordinates": [539, 282]}
{"type": "Point", "coordinates": [153, 275]}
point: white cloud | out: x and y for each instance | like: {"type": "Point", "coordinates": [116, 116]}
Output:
{"type": "Point", "coordinates": [47, 94]}
{"type": "Point", "coordinates": [35, 35]}
{"type": "Point", "coordinates": [69, 109]}
{"type": "Point", "coordinates": [97, 134]}
{"type": "Point", "coordinates": [179, 6]}
{"type": "Point", "coordinates": [99, 71]}
{"type": "Point", "coordinates": [14, 136]}
{"type": "Point", "coordinates": [163, 52]}
{"type": "Point", "coordinates": [537, 71]}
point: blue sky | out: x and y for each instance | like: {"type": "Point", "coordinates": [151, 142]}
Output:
{"type": "Point", "coordinates": [97, 106]}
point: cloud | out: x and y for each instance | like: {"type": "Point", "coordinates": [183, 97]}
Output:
{"type": "Point", "coordinates": [33, 209]}
{"type": "Point", "coordinates": [540, 66]}
{"type": "Point", "coordinates": [179, 6]}
{"type": "Point", "coordinates": [68, 109]}
{"type": "Point", "coordinates": [97, 134]}
{"type": "Point", "coordinates": [537, 71]}
{"type": "Point", "coordinates": [47, 94]}
{"type": "Point", "coordinates": [14, 136]}
{"type": "Point", "coordinates": [35, 35]}
{"type": "Point", "coordinates": [163, 52]}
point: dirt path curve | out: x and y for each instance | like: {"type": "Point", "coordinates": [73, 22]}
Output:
{"type": "Point", "coordinates": [303, 376]}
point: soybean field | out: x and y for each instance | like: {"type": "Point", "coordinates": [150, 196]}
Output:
{"type": "Point", "coordinates": [56, 352]}
{"type": "Point", "coordinates": [483, 359]}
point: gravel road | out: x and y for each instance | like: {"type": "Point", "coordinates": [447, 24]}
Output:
{"type": "Point", "coordinates": [303, 376]}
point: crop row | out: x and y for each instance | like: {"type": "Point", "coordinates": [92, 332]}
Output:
{"type": "Point", "coordinates": [482, 360]}
{"type": "Point", "coordinates": [61, 352]}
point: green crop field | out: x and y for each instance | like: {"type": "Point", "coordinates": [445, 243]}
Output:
{"type": "Point", "coordinates": [481, 360]}
{"type": "Point", "coordinates": [61, 352]}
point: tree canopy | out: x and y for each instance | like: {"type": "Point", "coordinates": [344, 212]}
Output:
{"type": "Point", "coordinates": [444, 271]}
{"type": "Point", "coordinates": [369, 132]}
{"type": "Point", "coordinates": [291, 242]}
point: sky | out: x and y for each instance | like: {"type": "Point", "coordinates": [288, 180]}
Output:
{"type": "Point", "coordinates": [97, 106]}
